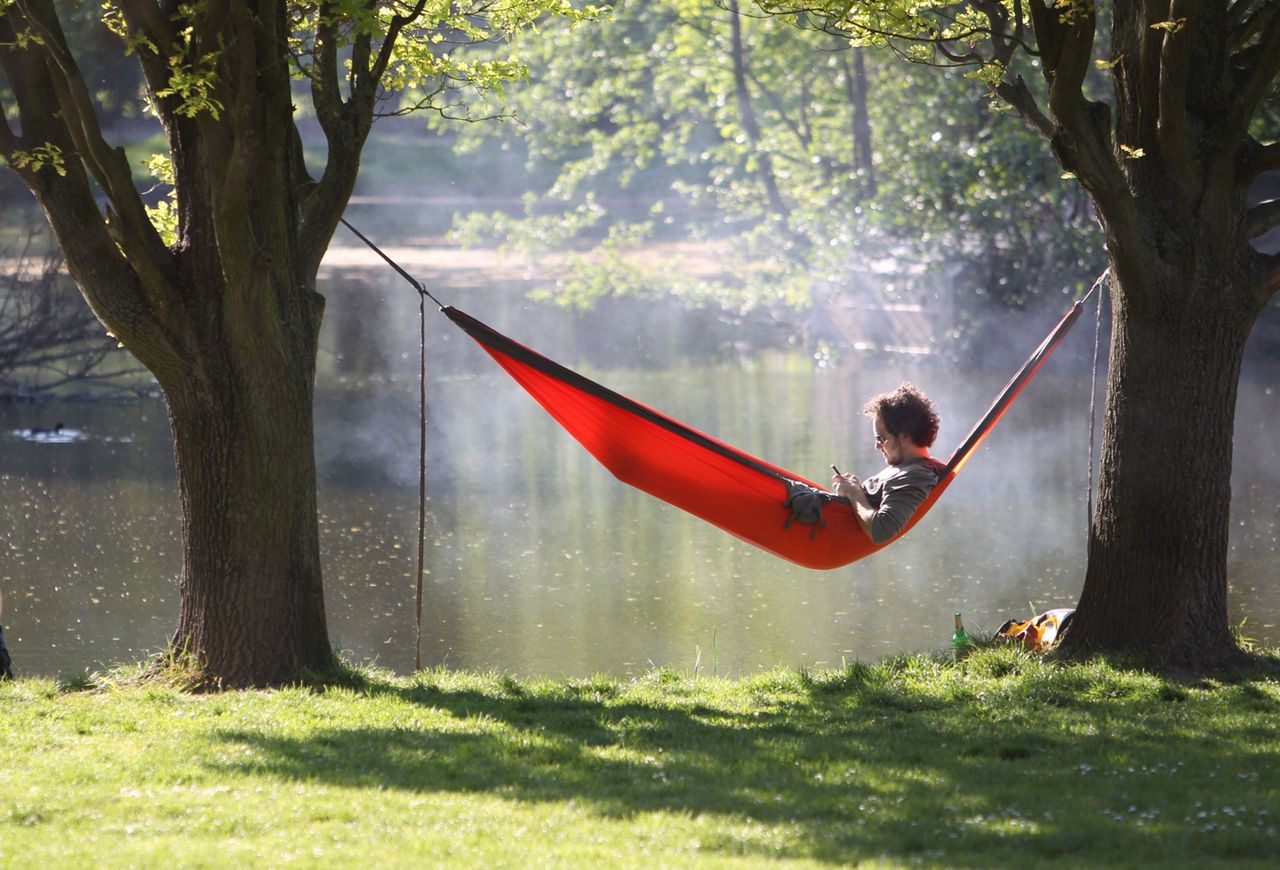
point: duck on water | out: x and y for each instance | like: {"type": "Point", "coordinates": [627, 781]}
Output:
{"type": "Point", "coordinates": [57, 434]}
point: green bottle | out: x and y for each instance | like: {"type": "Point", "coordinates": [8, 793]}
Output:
{"type": "Point", "coordinates": [960, 640]}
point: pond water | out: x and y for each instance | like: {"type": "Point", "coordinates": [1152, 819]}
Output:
{"type": "Point", "coordinates": [540, 562]}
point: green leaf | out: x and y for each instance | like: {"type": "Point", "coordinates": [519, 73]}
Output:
{"type": "Point", "coordinates": [46, 156]}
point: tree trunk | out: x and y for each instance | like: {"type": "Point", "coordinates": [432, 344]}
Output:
{"type": "Point", "coordinates": [747, 117]}
{"type": "Point", "coordinates": [252, 609]}
{"type": "Point", "coordinates": [862, 154]}
{"type": "Point", "coordinates": [1156, 584]}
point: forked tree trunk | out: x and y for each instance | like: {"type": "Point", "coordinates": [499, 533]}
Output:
{"type": "Point", "coordinates": [1156, 584]}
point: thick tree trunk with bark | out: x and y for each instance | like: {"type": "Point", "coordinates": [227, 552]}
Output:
{"type": "Point", "coordinates": [240, 408]}
{"type": "Point", "coordinates": [252, 599]}
{"type": "Point", "coordinates": [1156, 585]}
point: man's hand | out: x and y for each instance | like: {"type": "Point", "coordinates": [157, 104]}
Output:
{"type": "Point", "coordinates": [846, 485]}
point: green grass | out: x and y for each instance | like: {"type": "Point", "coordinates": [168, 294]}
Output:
{"type": "Point", "coordinates": [1001, 759]}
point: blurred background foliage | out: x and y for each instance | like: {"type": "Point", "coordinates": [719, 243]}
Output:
{"type": "Point", "coordinates": [700, 152]}
{"type": "Point", "coordinates": [813, 171]}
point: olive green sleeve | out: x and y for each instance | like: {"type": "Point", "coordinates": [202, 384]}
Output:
{"type": "Point", "coordinates": [902, 495]}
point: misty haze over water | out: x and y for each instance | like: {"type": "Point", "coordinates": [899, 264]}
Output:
{"type": "Point", "coordinates": [540, 562]}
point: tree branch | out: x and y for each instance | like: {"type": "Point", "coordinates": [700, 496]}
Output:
{"type": "Point", "coordinates": [1260, 159]}
{"type": "Point", "coordinates": [109, 166]}
{"type": "Point", "coordinates": [243, 84]}
{"type": "Point", "coordinates": [345, 125]}
{"type": "Point", "coordinates": [1082, 138]}
{"type": "Point", "coordinates": [1015, 93]}
{"type": "Point", "coordinates": [398, 24]}
{"type": "Point", "coordinates": [157, 28]}
{"type": "Point", "coordinates": [325, 94]}
{"type": "Point", "coordinates": [111, 284]}
{"type": "Point", "coordinates": [1175, 69]}
{"type": "Point", "coordinates": [1245, 24]}
{"type": "Point", "coordinates": [1069, 65]}
{"type": "Point", "coordinates": [363, 85]}
{"type": "Point", "coordinates": [154, 25]}
{"type": "Point", "coordinates": [1018, 95]}
{"type": "Point", "coordinates": [1256, 75]}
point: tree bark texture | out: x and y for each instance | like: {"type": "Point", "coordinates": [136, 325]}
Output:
{"type": "Point", "coordinates": [252, 603]}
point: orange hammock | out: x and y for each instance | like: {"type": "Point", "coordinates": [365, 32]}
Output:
{"type": "Point", "coordinates": [760, 503]}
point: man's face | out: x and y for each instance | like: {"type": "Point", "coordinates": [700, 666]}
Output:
{"type": "Point", "coordinates": [890, 446]}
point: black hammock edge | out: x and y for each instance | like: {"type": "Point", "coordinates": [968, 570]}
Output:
{"type": "Point", "coordinates": [490, 337]}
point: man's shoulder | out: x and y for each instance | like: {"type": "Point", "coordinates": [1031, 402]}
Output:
{"type": "Point", "coordinates": [921, 472]}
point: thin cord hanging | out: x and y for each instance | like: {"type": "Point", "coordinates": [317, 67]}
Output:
{"type": "Point", "coordinates": [423, 295]}
{"type": "Point", "coordinates": [422, 478]}
{"type": "Point", "coordinates": [1093, 392]}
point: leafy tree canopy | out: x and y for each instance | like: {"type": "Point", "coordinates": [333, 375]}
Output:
{"type": "Point", "coordinates": [691, 120]}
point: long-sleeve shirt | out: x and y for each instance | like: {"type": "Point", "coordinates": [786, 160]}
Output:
{"type": "Point", "coordinates": [897, 491]}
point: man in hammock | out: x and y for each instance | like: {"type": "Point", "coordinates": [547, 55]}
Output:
{"type": "Point", "coordinates": [906, 425]}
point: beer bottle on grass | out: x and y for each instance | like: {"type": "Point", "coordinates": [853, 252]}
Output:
{"type": "Point", "coordinates": [960, 640]}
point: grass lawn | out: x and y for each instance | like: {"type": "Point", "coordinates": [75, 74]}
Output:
{"type": "Point", "coordinates": [999, 760]}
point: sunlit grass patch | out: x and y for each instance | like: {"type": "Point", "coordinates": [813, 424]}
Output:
{"type": "Point", "coordinates": [909, 761]}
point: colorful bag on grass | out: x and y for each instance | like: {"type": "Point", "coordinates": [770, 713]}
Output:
{"type": "Point", "coordinates": [1040, 632]}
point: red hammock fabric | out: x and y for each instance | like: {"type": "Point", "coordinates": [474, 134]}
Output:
{"type": "Point", "coordinates": [724, 486]}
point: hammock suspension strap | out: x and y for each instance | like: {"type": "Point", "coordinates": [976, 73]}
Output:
{"type": "Point", "coordinates": [423, 295]}
{"type": "Point", "coordinates": [1093, 395]}
{"type": "Point", "coordinates": [422, 291]}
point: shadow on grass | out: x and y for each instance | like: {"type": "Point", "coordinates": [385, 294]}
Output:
{"type": "Point", "coordinates": [852, 767]}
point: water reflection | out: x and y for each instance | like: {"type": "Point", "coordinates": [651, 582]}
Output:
{"type": "Point", "coordinates": [540, 563]}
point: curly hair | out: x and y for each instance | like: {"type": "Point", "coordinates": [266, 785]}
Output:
{"type": "Point", "coordinates": [906, 410]}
